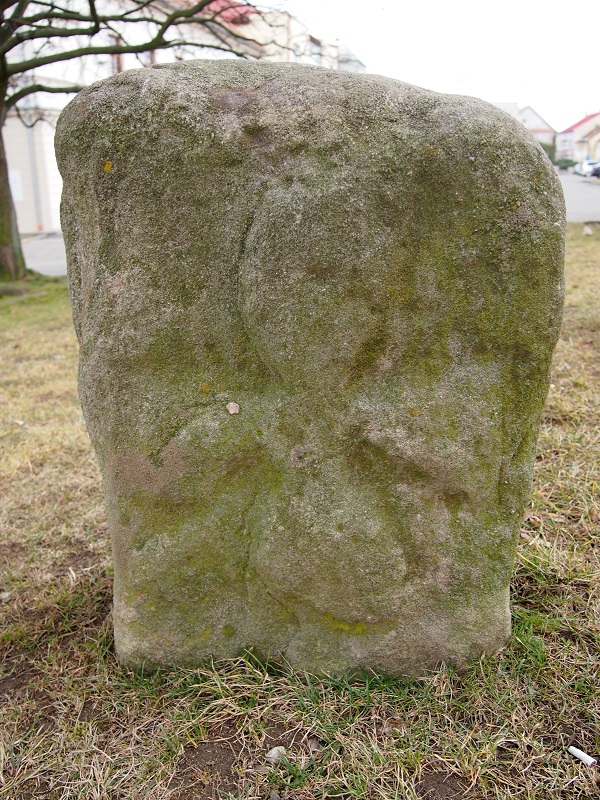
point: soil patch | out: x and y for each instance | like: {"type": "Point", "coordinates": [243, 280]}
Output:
{"type": "Point", "coordinates": [440, 786]}
{"type": "Point", "coordinates": [20, 674]}
{"type": "Point", "coordinates": [207, 771]}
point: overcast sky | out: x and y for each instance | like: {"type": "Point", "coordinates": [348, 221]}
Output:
{"type": "Point", "coordinates": [533, 53]}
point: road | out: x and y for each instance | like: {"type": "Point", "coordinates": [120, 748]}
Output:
{"type": "Point", "coordinates": [46, 253]}
{"type": "Point", "coordinates": [582, 196]}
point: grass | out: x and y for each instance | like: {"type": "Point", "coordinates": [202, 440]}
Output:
{"type": "Point", "coordinates": [76, 725]}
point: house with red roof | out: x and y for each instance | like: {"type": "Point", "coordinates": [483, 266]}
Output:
{"type": "Point", "coordinates": [581, 140]}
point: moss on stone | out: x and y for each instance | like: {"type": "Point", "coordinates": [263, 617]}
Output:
{"type": "Point", "coordinates": [373, 275]}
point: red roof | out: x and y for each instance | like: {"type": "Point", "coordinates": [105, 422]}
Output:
{"type": "Point", "coordinates": [581, 121]}
{"type": "Point", "coordinates": [235, 12]}
{"type": "Point", "coordinates": [231, 11]}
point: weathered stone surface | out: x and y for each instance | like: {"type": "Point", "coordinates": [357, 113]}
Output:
{"type": "Point", "coordinates": [316, 314]}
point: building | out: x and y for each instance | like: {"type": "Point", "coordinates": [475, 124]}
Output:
{"type": "Point", "coordinates": [268, 36]}
{"type": "Point", "coordinates": [32, 172]}
{"type": "Point", "coordinates": [581, 140]}
{"type": "Point", "coordinates": [535, 124]}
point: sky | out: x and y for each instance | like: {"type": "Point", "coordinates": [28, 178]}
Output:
{"type": "Point", "coordinates": [508, 51]}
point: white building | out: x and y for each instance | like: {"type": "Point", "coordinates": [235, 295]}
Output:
{"type": "Point", "coordinates": [34, 176]}
{"type": "Point", "coordinates": [535, 124]}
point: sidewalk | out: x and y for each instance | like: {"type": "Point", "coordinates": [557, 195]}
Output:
{"type": "Point", "coordinates": [45, 253]}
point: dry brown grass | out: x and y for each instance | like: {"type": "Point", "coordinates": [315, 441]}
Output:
{"type": "Point", "coordinates": [74, 725]}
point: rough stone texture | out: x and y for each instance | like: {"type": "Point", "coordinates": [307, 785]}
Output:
{"type": "Point", "coordinates": [372, 272]}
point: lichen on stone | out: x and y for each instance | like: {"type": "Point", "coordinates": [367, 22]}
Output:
{"type": "Point", "coordinates": [316, 313]}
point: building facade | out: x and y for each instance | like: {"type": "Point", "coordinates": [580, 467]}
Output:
{"type": "Point", "coordinates": [32, 172]}
{"type": "Point", "coordinates": [535, 124]}
{"type": "Point", "coordinates": [580, 141]}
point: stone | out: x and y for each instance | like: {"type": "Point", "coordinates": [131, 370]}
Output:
{"type": "Point", "coordinates": [276, 754]}
{"type": "Point", "coordinates": [372, 273]}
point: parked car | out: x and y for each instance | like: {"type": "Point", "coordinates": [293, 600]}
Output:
{"type": "Point", "coordinates": [595, 173]}
{"type": "Point", "coordinates": [585, 167]}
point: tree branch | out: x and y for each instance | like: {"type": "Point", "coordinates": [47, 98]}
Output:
{"type": "Point", "coordinates": [157, 42]}
{"type": "Point", "coordinates": [94, 15]}
{"type": "Point", "coordinates": [10, 25]}
{"type": "Point", "coordinates": [13, 99]}
{"type": "Point", "coordinates": [25, 119]}
{"type": "Point", "coordinates": [13, 38]}
{"type": "Point", "coordinates": [46, 32]}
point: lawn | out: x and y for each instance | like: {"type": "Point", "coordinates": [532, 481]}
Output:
{"type": "Point", "coordinates": [73, 724]}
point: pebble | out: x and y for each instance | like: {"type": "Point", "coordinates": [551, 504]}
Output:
{"type": "Point", "coordinates": [275, 755]}
{"type": "Point", "coordinates": [5, 597]}
{"type": "Point", "coordinates": [233, 408]}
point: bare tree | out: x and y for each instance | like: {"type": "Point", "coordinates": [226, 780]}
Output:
{"type": "Point", "coordinates": [36, 35]}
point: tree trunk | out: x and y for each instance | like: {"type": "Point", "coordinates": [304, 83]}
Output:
{"type": "Point", "coordinates": [12, 263]}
